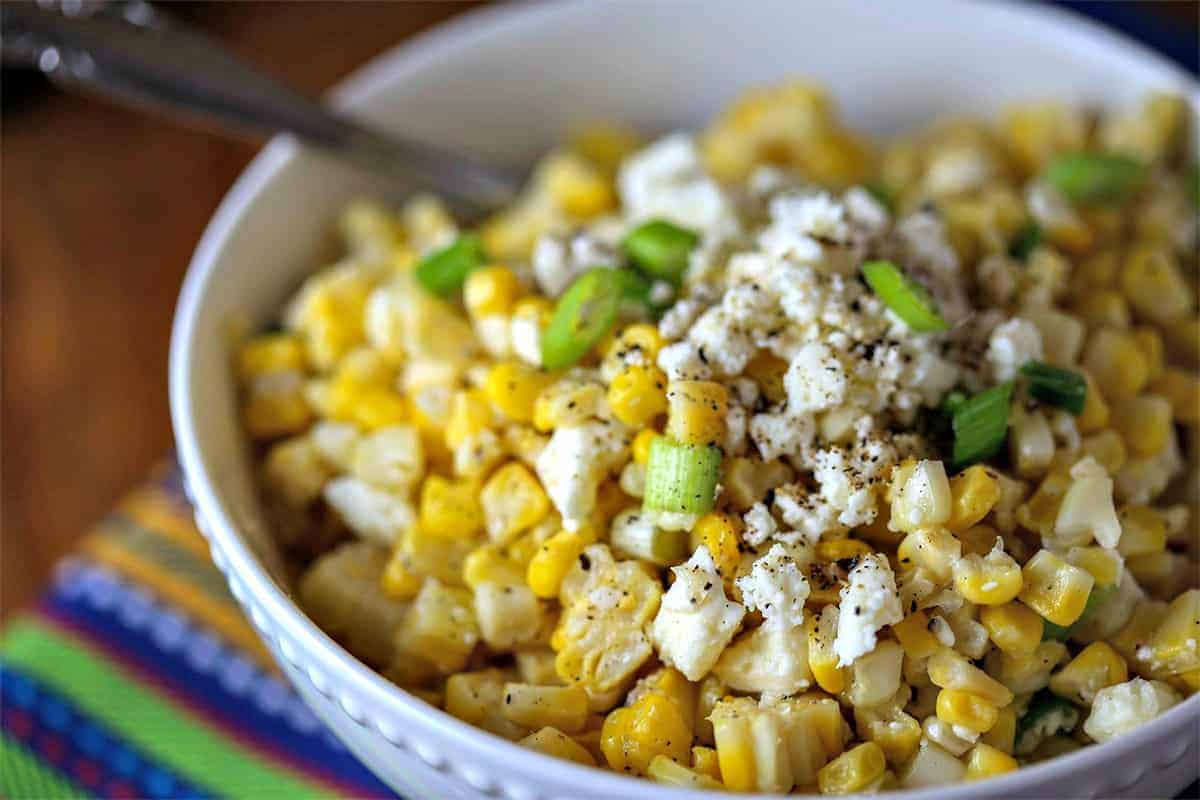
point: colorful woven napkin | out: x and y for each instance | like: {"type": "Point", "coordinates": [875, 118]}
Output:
{"type": "Point", "coordinates": [137, 676]}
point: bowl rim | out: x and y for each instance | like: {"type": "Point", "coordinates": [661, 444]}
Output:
{"type": "Point", "coordinates": [396, 65]}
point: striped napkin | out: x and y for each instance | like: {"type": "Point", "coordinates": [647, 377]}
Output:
{"type": "Point", "coordinates": [137, 676]}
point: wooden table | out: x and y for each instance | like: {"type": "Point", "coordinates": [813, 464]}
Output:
{"type": "Point", "coordinates": [101, 209]}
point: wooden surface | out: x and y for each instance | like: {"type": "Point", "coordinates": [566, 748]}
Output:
{"type": "Point", "coordinates": [101, 208]}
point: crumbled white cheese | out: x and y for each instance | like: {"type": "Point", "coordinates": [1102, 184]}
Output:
{"type": "Point", "coordinates": [667, 180]}
{"type": "Point", "coordinates": [525, 336]}
{"type": "Point", "coordinates": [695, 620]}
{"type": "Point", "coordinates": [760, 525]}
{"type": "Point", "coordinates": [815, 380]}
{"type": "Point", "coordinates": [1011, 346]}
{"type": "Point", "coordinates": [869, 601]}
{"type": "Point", "coordinates": [778, 435]}
{"type": "Point", "coordinates": [777, 588]}
{"type": "Point", "coordinates": [810, 515]}
{"type": "Point", "coordinates": [573, 463]}
{"type": "Point", "coordinates": [681, 361]}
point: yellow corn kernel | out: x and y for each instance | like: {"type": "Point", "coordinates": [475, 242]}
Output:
{"type": "Point", "coordinates": [1097, 271]}
{"type": "Point", "coordinates": [1150, 342]}
{"type": "Point", "coordinates": [669, 773]}
{"type": "Point", "coordinates": [489, 564]}
{"type": "Point", "coordinates": [955, 707]}
{"type": "Point", "coordinates": [1102, 564]}
{"type": "Point", "coordinates": [637, 395]}
{"type": "Point", "coordinates": [552, 561]}
{"type": "Point", "coordinates": [978, 539]}
{"type": "Point", "coordinates": [898, 734]}
{"type": "Point", "coordinates": [491, 290]}
{"type": "Point", "coordinates": [1182, 390]}
{"type": "Point", "coordinates": [1112, 357]}
{"type": "Point", "coordinates": [1144, 422]}
{"type": "Point", "coordinates": [379, 408]}
{"type": "Point", "coordinates": [1154, 284]}
{"type": "Point", "coordinates": [570, 400]}
{"type": "Point", "coordinates": [605, 144]}
{"type": "Point", "coordinates": [974, 492]}
{"type": "Point", "coordinates": [470, 414]}
{"type": "Point", "coordinates": [1095, 414]}
{"type": "Point", "coordinates": [1175, 645]}
{"type": "Point", "coordinates": [1003, 734]}
{"type": "Point", "coordinates": [640, 341]}
{"type": "Point", "coordinates": [1103, 308]}
{"type": "Point", "coordinates": [1107, 448]}
{"type": "Point", "coordinates": [822, 660]}
{"type": "Point", "coordinates": [1097, 665]}
{"type": "Point", "coordinates": [1013, 628]}
{"type": "Point", "coordinates": [985, 761]}
{"type": "Point", "coordinates": [561, 707]}
{"type": "Point", "coordinates": [512, 500]}
{"type": "Point", "coordinates": [398, 581]}
{"type": "Point", "coordinates": [767, 370]}
{"type": "Point", "coordinates": [554, 742]}
{"type": "Point", "coordinates": [1137, 631]}
{"type": "Point", "coordinates": [913, 634]}
{"type": "Point", "coordinates": [852, 771]}
{"type": "Point", "coordinates": [1040, 512]}
{"type": "Point", "coordinates": [641, 445]}
{"type": "Point", "coordinates": [839, 549]}
{"type": "Point", "coordinates": [935, 549]}
{"type": "Point", "coordinates": [704, 761]}
{"type": "Point", "coordinates": [448, 508]}
{"type": "Point", "coordinates": [990, 580]}
{"type": "Point", "coordinates": [748, 480]}
{"type": "Point", "coordinates": [576, 185]}
{"type": "Point", "coordinates": [1188, 682]}
{"type": "Point", "coordinates": [1036, 132]}
{"type": "Point", "coordinates": [1164, 575]}
{"type": "Point", "coordinates": [1143, 531]}
{"type": "Point", "coordinates": [513, 388]}
{"type": "Point", "coordinates": [633, 735]}
{"type": "Point", "coordinates": [271, 352]}
{"type": "Point", "coordinates": [440, 626]}
{"type": "Point", "coordinates": [697, 412]}
{"type": "Point", "coordinates": [1055, 589]}
{"type": "Point", "coordinates": [717, 532]}
{"type": "Point", "coordinates": [951, 670]}
{"type": "Point", "coordinates": [270, 414]}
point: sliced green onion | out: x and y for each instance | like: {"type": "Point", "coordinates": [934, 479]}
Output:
{"type": "Point", "coordinates": [1046, 715]}
{"type": "Point", "coordinates": [635, 534]}
{"type": "Point", "coordinates": [909, 300]}
{"type": "Point", "coordinates": [1094, 177]}
{"type": "Point", "coordinates": [442, 272]}
{"type": "Point", "coordinates": [584, 314]}
{"type": "Point", "coordinates": [882, 194]}
{"type": "Point", "coordinates": [660, 248]}
{"type": "Point", "coordinates": [980, 425]}
{"type": "Point", "coordinates": [1026, 240]}
{"type": "Point", "coordinates": [1060, 633]}
{"type": "Point", "coordinates": [681, 477]}
{"type": "Point", "coordinates": [636, 295]}
{"type": "Point", "coordinates": [1061, 388]}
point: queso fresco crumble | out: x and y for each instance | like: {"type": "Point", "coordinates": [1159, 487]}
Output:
{"type": "Point", "coordinates": [765, 458]}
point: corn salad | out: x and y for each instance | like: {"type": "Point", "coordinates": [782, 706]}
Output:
{"type": "Point", "coordinates": [765, 458]}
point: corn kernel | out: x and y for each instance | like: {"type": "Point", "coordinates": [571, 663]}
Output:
{"type": "Point", "coordinates": [989, 580]}
{"type": "Point", "coordinates": [1175, 646]}
{"type": "Point", "coordinates": [950, 670]}
{"type": "Point", "coordinates": [1154, 284]}
{"type": "Point", "coordinates": [470, 414]}
{"type": "Point", "coordinates": [513, 388]}
{"type": "Point", "coordinates": [491, 290]}
{"type": "Point", "coordinates": [576, 185]}
{"type": "Point", "coordinates": [921, 496]}
{"type": "Point", "coordinates": [1143, 531]}
{"type": "Point", "coordinates": [512, 500]}
{"type": "Point", "coordinates": [606, 145]}
{"type": "Point", "coordinates": [1102, 564]}
{"type": "Point", "coordinates": [852, 771]}
{"type": "Point", "coordinates": [571, 400]}
{"type": "Point", "coordinates": [1107, 448]}
{"type": "Point", "coordinates": [1182, 390]}
{"type": "Point", "coordinates": [489, 564]}
{"type": "Point", "coordinates": [704, 761]}
{"type": "Point", "coordinates": [440, 626]}
{"type": "Point", "coordinates": [1112, 357]}
{"type": "Point", "coordinates": [841, 549]}
{"type": "Point", "coordinates": [697, 412]}
{"type": "Point", "coordinates": [637, 395]}
{"type": "Point", "coordinates": [552, 561]}
{"type": "Point", "coordinates": [822, 660]}
{"type": "Point", "coordinates": [913, 634]}
{"type": "Point", "coordinates": [633, 735]}
{"type": "Point", "coordinates": [641, 445]}
{"type": "Point", "coordinates": [1183, 341]}
{"type": "Point", "coordinates": [956, 707]}
{"type": "Point", "coordinates": [397, 581]}
{"type": "Point", "coordinates": [717, 532]}
{"type": "Point", "coordinates": [974, 492]}
{"type": "Point", "coordinates": [554, 742]}
{"type": "Point", "coordinates": [1144, 422]}
{"type": "Point", "coordinates": [450, 509]}
{"type": "Point", "coordinates": [670, 773]}
{"type": "Point", "coordinates": [1003, 734]}
{"type": "Point", "coordinates": [1097, 665]}
{"type": "Point", "coordinates": [1104, 308]}
{"type": "Point", "coordinates": [1150, 342]}
{"type": "Point", "coordinates": [935, 549]}
{"type": "Point", "coordinates": [271, 352]}
{"type": "Point", "coordinates": [561, 707]}
{"type": "Point", "coordinates": [985, 761]}
{"type": "Point", "coordinates": [1054, 588]}
{"type": "Point", "coordinates": [271, 414]}
{"type": "Point", "coordinates": [1040, 512]}
{"type": "Point", "coordinates": [638, 344]}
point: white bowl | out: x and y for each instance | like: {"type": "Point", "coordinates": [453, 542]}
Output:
{"type": "Point", "coordinates": [504, 83]}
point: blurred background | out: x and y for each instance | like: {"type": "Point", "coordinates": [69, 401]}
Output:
{"type": "Point", "coordinates": [100, 208]}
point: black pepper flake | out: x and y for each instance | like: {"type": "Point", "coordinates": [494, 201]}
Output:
{"type": "Point", "coordinates": [585, 563]}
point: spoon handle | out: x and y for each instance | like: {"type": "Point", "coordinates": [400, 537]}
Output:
{"type": "Point", "coordinates": [179, 70]}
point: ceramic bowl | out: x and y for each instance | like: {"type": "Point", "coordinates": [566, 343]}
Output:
{"type": "Point", "coordinates": [504, 83]}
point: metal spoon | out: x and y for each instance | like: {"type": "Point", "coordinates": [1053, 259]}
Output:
{"type": "Point", "coordinates": [134, 52]}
